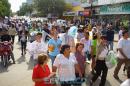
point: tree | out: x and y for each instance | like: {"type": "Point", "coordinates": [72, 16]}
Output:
{"type": "Point", "coordinates": [4, 8]}
{"type": "Point", "coordinates": [54, 7]}
{"type": "Point", "coordinates": [25, 9]}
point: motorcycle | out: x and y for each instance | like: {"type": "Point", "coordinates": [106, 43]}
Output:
{"type": "Point", "coordinates": [6, 52]}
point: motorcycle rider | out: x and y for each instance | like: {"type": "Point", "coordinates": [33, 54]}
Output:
{"type": "Point", "coordinates": [7, 38]}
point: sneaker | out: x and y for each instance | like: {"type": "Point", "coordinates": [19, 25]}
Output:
{"type": "Point", "coordinates": [116, 77]}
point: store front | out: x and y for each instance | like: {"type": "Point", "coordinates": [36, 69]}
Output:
{"type": "Point", "coordinates": [118, 14]}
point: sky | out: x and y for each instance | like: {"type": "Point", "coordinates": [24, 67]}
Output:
{"type": "Point", "coordinates": [15, 4]}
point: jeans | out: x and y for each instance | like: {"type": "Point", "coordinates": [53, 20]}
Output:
{"type": "Point", "coordinates": [52, 58]}
{"type": "Point", "coordinates": [35, 61]}
{"type": "Point", "coordinates": [69, 83]}
{"type": "Point", "coordinates": [110, 45]}
{"type": "Point", "coordinates": [23, 46]}
{"type": "Point", "coordinates": [88, 56]}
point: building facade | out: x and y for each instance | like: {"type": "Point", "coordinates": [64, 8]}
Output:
{"type": "Point", "coordinates": [115, 11]}
{"type": "Point", "coordinates": [76, 10]}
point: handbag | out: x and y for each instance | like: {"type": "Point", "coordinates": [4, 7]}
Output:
{"type": "Point", "coordinates": [111, 59]}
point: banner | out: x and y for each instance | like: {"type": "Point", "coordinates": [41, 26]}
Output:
{"type": "Point", "coordinates": [115, 9]}
{"type": "Point", "coordinates": [103, 2]}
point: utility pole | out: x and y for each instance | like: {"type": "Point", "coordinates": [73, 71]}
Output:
{"type": "Point", "coordinates": [91, 11]}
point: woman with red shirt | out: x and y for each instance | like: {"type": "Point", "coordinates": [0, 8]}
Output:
{"type": "Point", "coordinates": [41, 72]}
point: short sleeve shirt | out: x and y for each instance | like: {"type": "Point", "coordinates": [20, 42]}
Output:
{"type": "Point", "coordinates": [66, 67]}
{"type": "Point", "coordinates": [125, 45]}
{"type": "Point", "coordinates": [39, 73]}
{"type": "Point", "coordinates": [37, 48]}
{"type": "Point", "coordinates": [87, 44]}
{"type": "Point", "coordinates": [56, 44]}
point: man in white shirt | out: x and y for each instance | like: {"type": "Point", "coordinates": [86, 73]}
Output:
{"type": "Point", "coordinates": [123, 53]}
{"type": "Point", "coordinates": [127, 81]}
{"type": "Point", "coordinates": [37, 47]}
{"type": "Point", "coordinates": [67, 39]}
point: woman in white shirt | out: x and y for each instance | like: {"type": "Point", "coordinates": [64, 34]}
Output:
{"type": "Point", "coordinates": [66, 64]}
{"type": "Point", "coordinates": [102, 51]}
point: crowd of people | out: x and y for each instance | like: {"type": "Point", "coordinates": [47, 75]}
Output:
{"type": "Point", "coordinates": [68, 56]}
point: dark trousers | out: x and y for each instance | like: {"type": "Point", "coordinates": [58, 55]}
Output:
{"type": "Point", "coordinates": [12, 38]}
{"type": "Point", "coordinates": [79, 80]}
{"type": "Point", "coordinates": [119, 64]}
{"type": "Point", "coordinates": [88, 55]}
{"type": "Point", "coordinates": [69, 83]}
{"type": "Point", "coordinates": [19, 37]}
{"type": "Point", "coordinates": [100, 68]}
{"type": "Point", "coordinates": [23, 46]}
{"type": "Point", "coordinates": [65, 84]}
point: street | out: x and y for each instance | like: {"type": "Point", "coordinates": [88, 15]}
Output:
{"type": "Point", "coordinates": [20, 74]}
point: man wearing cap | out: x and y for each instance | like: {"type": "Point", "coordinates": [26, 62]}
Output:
{"type": "Point", "coordinates": [123, 53]}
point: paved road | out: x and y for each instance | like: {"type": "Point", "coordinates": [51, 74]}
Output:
{"type": "Point", "coordinates": [19, 74]}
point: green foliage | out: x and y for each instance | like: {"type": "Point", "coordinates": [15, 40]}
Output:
{"type": "Point", "coordinates": [25, 8]}
{"type": "Point", "coordinates": [55, 7]}
{"type": "Point", "coordinates": [4, 8]}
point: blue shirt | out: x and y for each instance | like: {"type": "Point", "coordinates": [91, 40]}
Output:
{"type": "Point", "coordinates": [56, 44]}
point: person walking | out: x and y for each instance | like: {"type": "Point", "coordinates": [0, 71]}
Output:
{"type": "Point", "coordinates": [87, 46]}
{"type": "Point", "coordinates": [54, 45]}
{"type": "Point", "coordinates": [41, 72]}
{"type": "Point", "coordinates": [67, 39]}
{"type": "Point", "coordinates": [110, 36]}
{"type": "Point", "coordinates": [37, 47]}
{"type": "Point", "coordinates": [101, 68]}
{"type": "Point", "coordinates": [12, 32]}
{"type": "Point", "coordinates": [123, 53]}
{"type": "Point", "coordinates": [23, 40]}
{"type": "Point", "coordinates": [81, 59]}
{"type": "Point", "coordinates": [66, 64]}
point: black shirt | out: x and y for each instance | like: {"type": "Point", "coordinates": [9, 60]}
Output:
{"type": "Point", "coordinates": [110, 35]}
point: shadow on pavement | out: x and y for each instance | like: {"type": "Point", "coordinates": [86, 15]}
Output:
{"type": "Point", "coordinates": [98, 82]}
{"type": "Point", "coordinates": [21, 59]}
{"type": "Point", "coordinates": [30, 64]}
{"type": "Point", "coordinates": [4, 69]}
